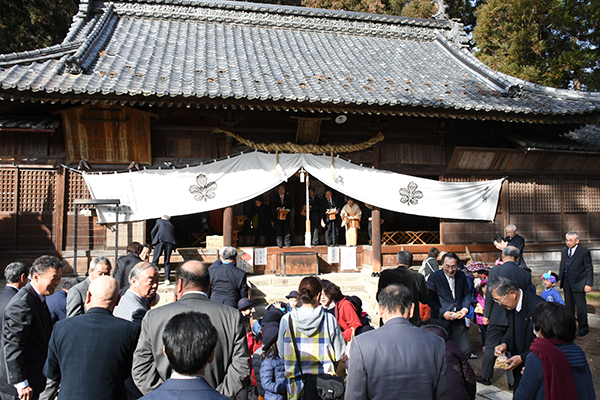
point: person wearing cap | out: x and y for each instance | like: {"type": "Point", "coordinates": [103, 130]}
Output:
{"type": "Point", "coordinates": [550, 294]}
{"type": "Point", "coordinates": [246, 307]}
{"type": "Point", "coordinates": [272, 370]}
{"type": "Point", "coordinates": [292, 300]}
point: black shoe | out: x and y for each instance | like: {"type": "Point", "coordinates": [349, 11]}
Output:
{"type": "Point", "coordinates": [511, 387]}
{"type": "Point", "coordinates": [581, 334]}
{"type": "Point", "coordinates": [483, 381]}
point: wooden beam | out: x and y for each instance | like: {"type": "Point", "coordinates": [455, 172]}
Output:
{"type": "Point", "coordinates": [59, 213]}
{"type": "Point", "coordinates": [228, 213]}
{"type": "Point", "coordinates": [376, 238]}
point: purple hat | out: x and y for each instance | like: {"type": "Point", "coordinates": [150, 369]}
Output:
{"type": "Point", "coordinates": [244, 304]}
{"type": "Point", "coordinates": [272, 314]}
{"type": "Point", "coordinates": [293, 295]}
{"type": "Point", "coordinates": [477, 266]}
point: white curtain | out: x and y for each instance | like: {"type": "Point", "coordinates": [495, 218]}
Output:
{"type": "Point", "coordinates": [152, 193]}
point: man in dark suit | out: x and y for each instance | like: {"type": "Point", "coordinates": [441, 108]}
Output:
{"type": "Point", "coordinates": [495, 314]}
{"type": "Point", "coordinates": [314, 204]}
{"type": "Point", "coordinates": [93, 366]}
{"type": "Point", "coordinates": [194, 332]}
{"type": "Point", "coordinates": [142, 290]}
{"type": "Point", "coordinates": [163, 240]}
{"type": "Point", "coordinates": [330, 206]}
{"type": "Point", "coordinates": [576, 277]}
{"type": "Point", "coordinates": [398, 360]}
{"type": "Point", "coordinates": [26, 332]}
{"type": "Point", "coordinates": [519, 304]}
{"type": "Point", "coordinates": [402, 275]}
{"type": "Point", "coordinates": [99, 266]}
{"type": "Point", "coordinates": [282, 226]}
{"type": "Point", "coordinates": [228, 283]}
{"type": "Point", "coordinates": [16, 274]}
{"type": "Point", "coordinates": [57, 302]}
{"type": "Point", "coordinates": [265, 221]}
{"type": "Point", "coordinates": [449, 299]}
{"type": "Point", "coordinates": [231, 365]}
{"type": "Point", "coordinates": [125, 264]}
{"type": "Point", "coordinates": [516, 240]}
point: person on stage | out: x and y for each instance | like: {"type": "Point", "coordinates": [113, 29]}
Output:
{"type": "Point", "coordinates": [283, 206]}
{"type": "Point", "coordinates": [330, 210]}
{"type": "Point", "coordinates": [351, 214]}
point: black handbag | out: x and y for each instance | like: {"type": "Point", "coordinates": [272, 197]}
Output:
{"type": "Point", "coordinates": [318, 387]}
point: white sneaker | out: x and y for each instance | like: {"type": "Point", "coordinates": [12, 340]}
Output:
{"type": "Point", "coordinates": [167, 282]}
{"type": "Point", "coordinates": [473, 355]}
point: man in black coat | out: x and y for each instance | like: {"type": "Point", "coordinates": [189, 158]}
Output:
{"type": "Point", "coordinates": [519, 304]}
{"type": "Point", "coordinates": [449, 299]}
{"type": "Point", "coordinates": [576, 277]}
{"type": "Point", "coordinates": [314, 204]}
{"type": "Point", "coordinates": [87, 365]}
{"type": "Point", "coordinates": [265, 221]}
{"type": "Point", "coordinates": [227, 282]}
{"type": "Point", "coordinates": [125, 264]}
{"type": "Point", "coordinates": [330, 205]}
{"type": "Point", "coordinates": [496, 314]}
{"type": "Point", "coordinates": [516, 240]}
{"type": "Point", "coordinates": [16, 274]}
{"type": "Point", "coordinates": [413, 281]}
{"type": "Point", "coordinates": [163, 240]}
{"type": "Point", "coordinates": [26, 332]}
{"type": "Point", "coordinates": [282, 226]}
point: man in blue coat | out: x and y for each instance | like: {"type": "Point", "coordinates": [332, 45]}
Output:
{"type": "Point", "coordinates": [91, 354]}
{"type": "Point", "coordinates": [163, 240]}
{"type": "Point", "coordinates": [193, 332]}
{"type": "Point", "coordinates": [449, 299]}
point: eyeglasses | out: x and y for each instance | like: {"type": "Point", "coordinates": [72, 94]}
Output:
{"type": "Point", "coordinates": [501, 301]}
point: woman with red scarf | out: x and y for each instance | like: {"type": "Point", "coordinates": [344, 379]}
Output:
{"type": "Point", "coordinates": [555, 369]}
{"type": "Point", "coordinates": [336, 303]}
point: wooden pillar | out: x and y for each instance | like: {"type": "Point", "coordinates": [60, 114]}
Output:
{"type": "Point", "coordinates": [59, 212]}
{"type": "Point", "coordinates": [376, 223]}
{"type": "Point", "coordinates": [228, 213]}
{"type": "Point", "coordinates": [376, 238]}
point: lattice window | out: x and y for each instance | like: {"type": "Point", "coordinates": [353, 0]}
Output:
{"type": "Point", "coordinates": [37, 190]}
{"type": "Point", "coordinates": [548, 196]}
{"type": "Point", "coordinates": [593, 192]}
{"type": "Point", "coordinates": [7, 187]}
{"type": "Point", "coordinates": [574, 195]}
{"type": "Point", "coordinates": [520, 196]}
{"type": "Point", "coordinates": [77, 190]}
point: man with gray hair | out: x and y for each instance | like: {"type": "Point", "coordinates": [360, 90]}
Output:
{"type": "Point", "coordinates": [519, 304]}
{"type": "Point", "coordinates": [163, 240]}
{"type": "Point", "coordinates": [397, 360]}
{"type": "Point", "coordinates": [402, 275]}
{"type": "Point", "coordinates": [100, 266]}
{"type": "Point", "coordinates": [515, 240]}
{"type": "Point", "coordinates": [16, 274]}
{"type": "Point", "coordinates": [227, 282]}
{"type": "Point", "coordinates": [143, 283]}
{"type": "Point", "coordinates": [576, 277]}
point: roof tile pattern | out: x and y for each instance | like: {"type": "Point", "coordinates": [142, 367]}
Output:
{"type": "Point", "coordinates": [219, 49]}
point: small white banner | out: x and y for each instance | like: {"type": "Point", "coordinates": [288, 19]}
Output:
{"type": "Point", "coordinates": [333, 255]}
{"type": "Point", "coordinates": [260, 256]}
{"type": "Point", "coordinates": [245, 260]}
{"type": "Point", "coordinates": [348, 258]}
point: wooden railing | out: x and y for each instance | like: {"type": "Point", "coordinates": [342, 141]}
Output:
{"type": "Point", "coordinates": [410, 237]}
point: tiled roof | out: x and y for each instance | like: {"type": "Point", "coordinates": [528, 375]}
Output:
{"type": "Point", "coordinates": [588, 135]}
{"type": "Point", "coordinates": [195, 50]}
{"type": "Point", "coordinates": [29, 123]}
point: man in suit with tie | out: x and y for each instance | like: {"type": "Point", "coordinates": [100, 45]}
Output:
{"type": "Point", "coordinates": [519, 304]}
{"type": "Point", "coordinates": [163, 240]}
{"type": "Point", "coordinates": [516, 240]}
{"type": "Point", "coordinates": [16, 274]}
{"type": "Point", "coordinates": [90, 354]}
{"type": "Point", "coordinates": [495, 314]}
{"type": "Point", "coordinates": [282, 223]}
{"type": "Point", "coordinates": [449, 299]}
{"type": "Point", "coordinates": [576, 277]}
{"type": "Point", "coordinates": [330, 206]}
{"type": "Point", "coordinates": [26, 332]}
{"type": "Point", "coordinates": [193, 332]}
{"type": "Point", "coordinates": [230, 368]}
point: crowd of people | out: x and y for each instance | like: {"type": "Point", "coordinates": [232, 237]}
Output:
{"type": "Point", "coordinates": [92, 340]}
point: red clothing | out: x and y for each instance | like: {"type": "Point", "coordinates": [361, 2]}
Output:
{"type": "Point", "coordinates": [347, 318]}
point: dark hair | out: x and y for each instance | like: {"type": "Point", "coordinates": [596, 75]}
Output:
{"type": "Point", "coordinates": [498, 239]}
{"type": "Point", "coordinates": [332, 290]}
{"type": "Point", "coordinates": [308, 290]}
{"type": "Point", "coordinates": [270, 351]}
{"type": "Point", "coordinates": [511, 251]}
{"type": "Point", "coordinates": [404, 257]}
{"type": "Point", "coordinates": [70, 283]}
{"type": "Point", "coordinates": [433, 252]}
{"type": "Point", "coordinates": [394, 298]}
{"type": "Point", "coordinates": [189, 340]}
{"type": "Point", "coordinates": [41, 265]}
{"type": "Point", "coordinates": [480, 288]}
{"type": "Point", "coordinates": [554, 322]}
{"type": "Point", "coordinates": [188, 277]}
{"type": "Point", "coordinates": [450, 255]}
{"type": "Point", "coordinates": [14, 271]}
{"type": "Point", "coordinates": [135, 247]}
{"type": "Point", "coordinates": [502, 286]}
